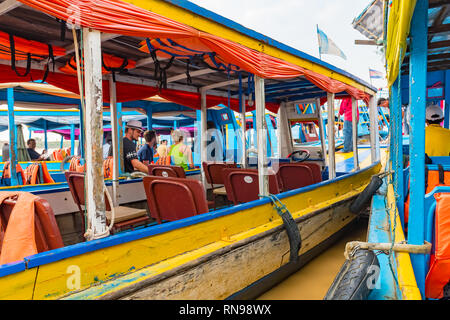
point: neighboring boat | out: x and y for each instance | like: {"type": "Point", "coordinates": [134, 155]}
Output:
{"type": "Point", "coordinates": [409, 222]}
{"type": "Point", "coordinates": [234, 252]}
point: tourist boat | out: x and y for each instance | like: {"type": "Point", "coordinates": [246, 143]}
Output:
{"type": "Point", "coordinates": [409, 223]}
{"type": "Point", "coordinates": [237, 251]}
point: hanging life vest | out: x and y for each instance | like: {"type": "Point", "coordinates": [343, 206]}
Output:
{"type": "Point", "coordinates": [438, 276]}
{"type": "Point", "coordinates": [108, 168]}
{"type": "Point", "coordinates": [7, 174]}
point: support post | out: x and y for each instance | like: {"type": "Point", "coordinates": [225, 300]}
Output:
{"type": "Point", "coordinates": [355, 133]}
{"type": "Point", "coordinates": [374, 140]}
{"type": "Point", "coordinates": [115, 140]}
{"type": "Point", "coordinates": [12, 137]}
{"type": "Point", "coordinates": [243, 136]}
{"type": "Point", "coordinates": [321, 131]}
{"type": "Point", "coordinates": [120, 134]}
{"type": "Point", "coordinates": [261, 134]}
{"type": "Point", "coordinates": [203, 135]}
{"type": "Point", "coordinates": [418, 85]}
{"type": "Point", "coordinates": [61, 144]}
{"type": "Point", "coordinates": [396, 152]}
{"type": "Point", "coordinates": [72, 139]}
{"type": "Point", "coordinates": [331, 137]}
{"type": "Point", "coordinates": [447, 99]}
{"type": "Point", "coordinates": [45, 135]}
{"type": "Point", "coordinates": [95, 203]}
{"type": "Point", "coordinates": [149, 117]}
{"type": "Point", "coordinates": [81, 137]}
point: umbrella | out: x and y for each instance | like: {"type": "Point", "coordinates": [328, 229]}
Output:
{"type": "Point", "coordinates": [22, 153]}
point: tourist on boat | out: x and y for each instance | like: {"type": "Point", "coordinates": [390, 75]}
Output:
{"type": "Point", "coordinates": [34, 155]}
{"type": "Point", "coordinates": [346, 110]}
{"type": "Point", "coordinates": [5, 152]}
{"type": "Point", "coordinates": [181, 153]}
{"type": "Point", "coordinates": [437, 138]}
{"type": "Point", "coordinates": [145, 153]}
{"type": "Point", "coordinates": [107, 145]}
{"type": "Point", "coordinates": [162, 149]}
{"type": "Point", "coordinates": [133, 130]}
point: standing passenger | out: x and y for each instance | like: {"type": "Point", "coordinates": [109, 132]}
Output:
{"type": "Point", "coordinates": [346, 110]}
{"type": "Point", "coordinates": [181, 153]}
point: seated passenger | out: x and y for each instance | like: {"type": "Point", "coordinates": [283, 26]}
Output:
{"type": "Point", "coordinates": [181, 153]}
{"type": "Point", "coordinates": [437, 139]}
{"type": "Point", "coordinates": [133, 130]}
{"type": "Point", "coordinates": [35, 156]}
{"type": "Point", "coordinates": [146, 152]}
{"type": "Point", "coordinates": [162, 149]}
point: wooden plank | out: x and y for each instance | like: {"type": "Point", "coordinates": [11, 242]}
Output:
{"type": "Point", "coordinates": [261, 133]}
{"type": "Point", "coordinates": [331, 137]}
{"type": "Point", "coordinates": [95, 203]}
{"type": "Point", "coordinates": [192, 74]}
{"type": "Point", "coordinates": [9, 5]}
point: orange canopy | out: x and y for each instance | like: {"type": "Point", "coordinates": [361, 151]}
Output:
{"type": "Point", "coordinates": [117, 17]}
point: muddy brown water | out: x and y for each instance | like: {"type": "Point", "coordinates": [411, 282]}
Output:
{"type": "Point", "coordinates": [313, 280]}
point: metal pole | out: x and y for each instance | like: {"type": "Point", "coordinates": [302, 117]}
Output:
{"type": "Point", "coordinates": [115, 139]}
{"type": "Point", "coordinates": [418, 85]}
{"type": "Point", "coordinates": [81, 137]}
{"type": "Point", "coordinates": [397, 152]}
{"type": "Point", "coordinates": [202, 135]}
{"type": "Point", "coordinates": [149, 116]}
{"type": "Point", "coordinates": [321, 131]}
{"type": "Point", "coordinates": [95, 203]}
{"type": "Point", "coordinates": [355, 133]}
{"type": "Point", "coordinates": [261, 135]}
{"type": "Point", "coordinates": [243, 137]}
{"type": "Point", "coordinates": [331, 141]}
{"type": "Point", "coordinates": [120, 133]}
{"type": "Point", "coordinates": [45, 135]}
{"type": "Point", "coordinates": [72, 139]}
{"type": "Point", "coordinates": [12, 137]}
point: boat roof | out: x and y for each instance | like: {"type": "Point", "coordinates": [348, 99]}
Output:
{"type": "Point", "coordinates": [291, 75]}
{"type": "Point", "coordinates": [398, 28]}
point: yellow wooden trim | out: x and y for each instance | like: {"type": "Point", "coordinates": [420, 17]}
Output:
{"type": "Point", "coordinates": [399, 23]}
{"type": "Point", "coordinates": [193, 20]}
{"type": "Point", "coordinates": [103, 265]}
{"type": "Point", "coordinates": [405, 272]}
{"type": "Point", "coordinates": [18, 286]}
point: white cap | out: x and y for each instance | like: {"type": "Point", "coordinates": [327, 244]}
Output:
{"type": "Point", "coordinates": [134, 124]}
{"type": "Point", "coordinates": [434, 112]}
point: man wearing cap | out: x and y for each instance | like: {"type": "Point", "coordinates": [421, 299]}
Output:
{"type": "Point", "coordinates": [437, 139]}
{"type": "Point", "coordinates": [133, 131]}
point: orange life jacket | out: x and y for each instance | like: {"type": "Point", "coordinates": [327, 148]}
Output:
{"type": "Point", "coordinates": [74, 163]}
{"type": "Point", "coordinates": [7, 172]}
{"type": "Point", "coordinates": [37, 173]}
{"type": "Point", "coordinates": [108, 168]}
{"type": "Point", "coordinates": [165, 161]}
{"type": "Point", "coordinates": [58, 155]}
{"type": "Point", "coordinates": [439, 272]}
{"type": "Point", "coordinates": [19, 239]}
{"type": "Point", "coordinates": [433, 179]}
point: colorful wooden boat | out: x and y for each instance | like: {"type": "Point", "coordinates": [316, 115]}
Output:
{"type": "Point", "coordinates": [234, 252]}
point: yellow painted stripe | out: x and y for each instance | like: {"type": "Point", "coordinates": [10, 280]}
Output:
{"type": "Point", "coordinates": [405, 272]}
{"type": "Point", "coordinates": [108, 263]}
{"type": "Point", "coordinates": [18, 286]}
{"type": "Point", "coordinates": [198, 22]}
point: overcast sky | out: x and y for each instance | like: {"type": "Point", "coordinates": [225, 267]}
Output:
{"type": "Point", "coordinates": [293, 22]}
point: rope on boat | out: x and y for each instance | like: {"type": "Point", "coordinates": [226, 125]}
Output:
{"type": "Point", "coordinates": [351, 247]}
{"type": "Point", "coordinates": [295, 240]}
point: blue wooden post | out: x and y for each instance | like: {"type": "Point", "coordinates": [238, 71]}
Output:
{"type": "Point", "coordinates": [254, 130]}
{"type": "Point", "coordinates": [120, 133]}
{"type": "Point", "coordinates": [149, 118]}
{"type": "Point", "coordinates": [45, 135]}
{"type": "Point", "coordinates": [418, 85]}
{"type": "Point", "coordinates": [81, 135]}
{"type": "Point", "coordinates": [197, 147]}
{"type": "Point", "coordinates": [72, 139]}
{"type": "Point", "coordinates": [447, 99]}
{"type": "Point", "coordinates": [397, 145]}
{"type": "Point", "coordinates": [12, 136]}
{"type": "Point", "coordinates": [61, 145]}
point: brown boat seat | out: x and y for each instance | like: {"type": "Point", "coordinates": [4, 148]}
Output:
{"type": "Point", "coordinates": [316, 170]}
{"type": "Point", "coordinates": [166, 171]}
{"type": "Point", "coordinates": [214, 176]}
{"type": "Point", "coordinates": [47, 234]}
{"type": "Point", "coordinates": [242, 185]}
{"type": "Point", "coordinates": [125, 217]}
{"type": "Point", "coordinates": [171, 199]}
{"type": "Point", "coordinates": [294, 175]}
